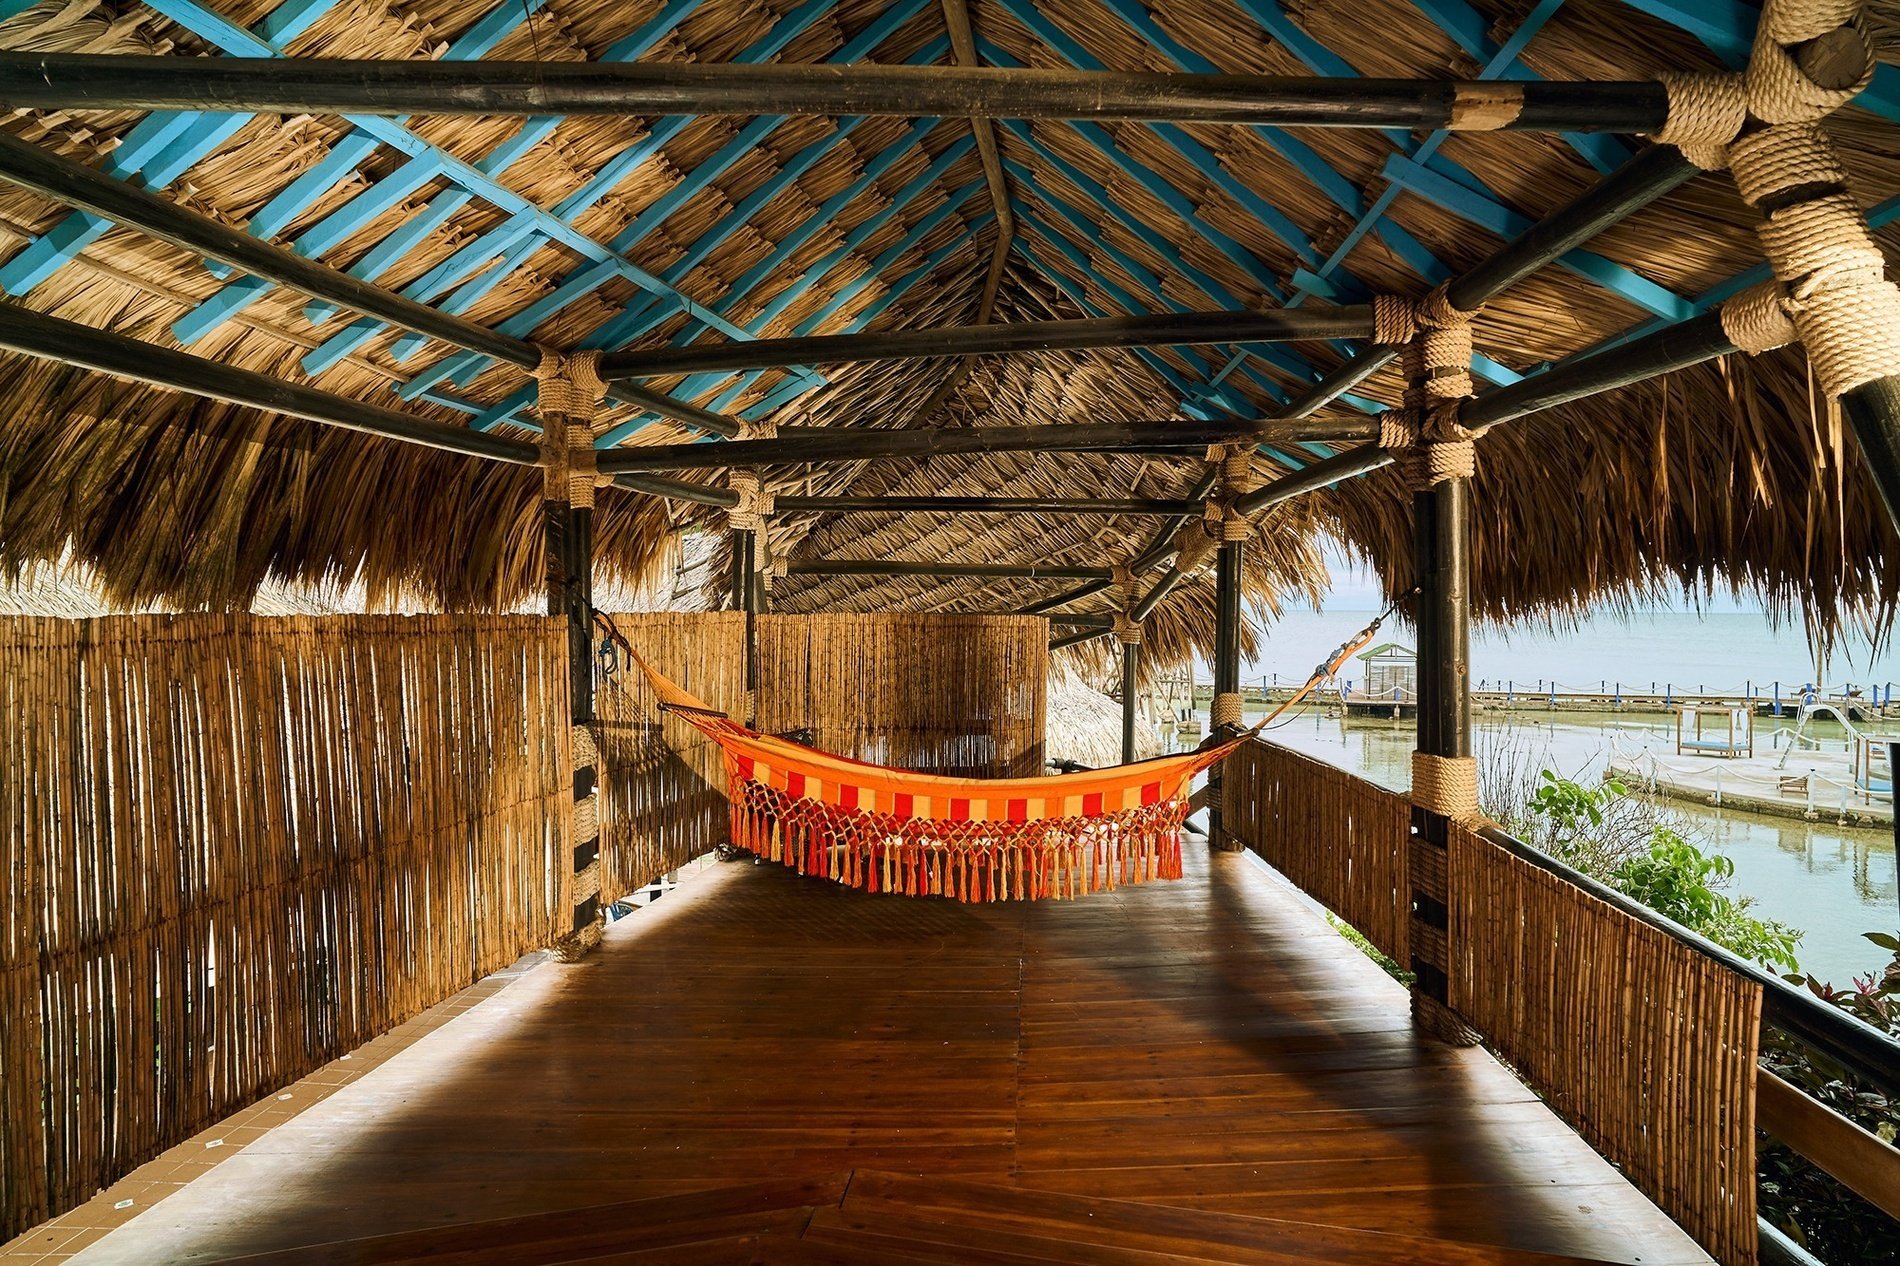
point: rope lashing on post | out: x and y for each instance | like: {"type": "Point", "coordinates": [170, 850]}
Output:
{"type": "Point", "coordinates": [761, 429]}
{"type": "Point", "coordinates": [1127, 628]}
{"type": "Point", "coordinates": [1446, 785]}
{"type": "Point", "coordinates": [754, 507]}
{"type": "Point", "coordinates": [1810, 58]}
{"type": "Point", "coordinates": [1237, 479]}
{"type": "Point", "coordinates": [568, 389]}
{"type": "Point", "coordinates": [1708, 111]}
{"type": "Point", "coordinates": [1194, 547]}
{"type": "Point", "coordinates": [1426, 433]}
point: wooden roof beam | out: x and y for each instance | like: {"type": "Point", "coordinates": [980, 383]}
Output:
{"type": "Point", "coordinates": [75, 185]}
{"type": "Point", "coordinates": [1175, 329]}
{"type": "Point", "coordinates": [855, 444]}
{"type": "Point", "coordinates": [989, 571]}
{"type": "Point", "coordinates": [251, 85]}
{"type": "Point", "coordinates": [70, 343]}
{"type": "Point", "coordinates": [982, 505]}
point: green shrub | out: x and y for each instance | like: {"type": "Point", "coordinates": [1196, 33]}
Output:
{"type": "Point", "coordinates": [1809, 1206]}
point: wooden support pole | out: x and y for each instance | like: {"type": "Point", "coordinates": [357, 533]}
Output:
{"type": "Point", "coordinates": [1227, 606]}
{"type": "Point", "coordinates": [1171, 329]}
{"type": "Point", "coordinates": [1441, 557]}
{"type": "Point", "coordinates": [1131, 671]}
{"type": "Point", "coordinates": [898, 567]}
{"type": "Point", "coordinates": [82, 81]}
{"type": "Point", "coordinates": [83, 188]}
{"type": "Point", "coordinates": [856, 443]}
{"type": "Point", "coordinates": [1873, 412]}
{"type": "Point", "coordinates": [70, 343]}
{"type": "Point", "coordinates": [567, 517]}
{"type": "Point", "coordinates": [983, 505]}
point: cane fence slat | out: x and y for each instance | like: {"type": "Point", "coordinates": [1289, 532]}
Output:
{"type": "Point", "coordinates": [235, 847]}
{"type": "Point", "coordinates": [1645, 1046]}
{"type": "Point", "coordinates": [665, 781]}
{"type": "Point", "coordinates": [1338, 838]}
{"type": "Point", "coordinates": [961, 695]}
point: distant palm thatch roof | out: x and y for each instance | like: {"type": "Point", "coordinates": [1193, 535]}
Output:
{"type": "Point", "coordinates": [1726, 475]}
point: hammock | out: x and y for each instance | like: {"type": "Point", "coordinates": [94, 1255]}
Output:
{"type": "Point", "coordinates": [970, 839]}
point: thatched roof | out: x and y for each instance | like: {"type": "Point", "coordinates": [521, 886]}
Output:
{"type": "Point", "coordinates": [1726, 475]}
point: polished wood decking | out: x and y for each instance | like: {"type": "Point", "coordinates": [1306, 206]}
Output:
{"type": "Point", "coordinates": [1156, 1060]}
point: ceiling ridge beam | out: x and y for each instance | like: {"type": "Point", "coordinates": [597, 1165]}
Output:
{"type": "Point", "coordinates": [1146, 330]}
{"type": "Point", "coordinates": [275, 84]}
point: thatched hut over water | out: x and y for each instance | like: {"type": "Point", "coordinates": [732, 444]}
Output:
{"type": "Point", "coordinates": [849, 364]}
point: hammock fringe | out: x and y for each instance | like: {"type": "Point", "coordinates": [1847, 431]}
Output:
{"type": "Point", "coordinates": [1046, 859]}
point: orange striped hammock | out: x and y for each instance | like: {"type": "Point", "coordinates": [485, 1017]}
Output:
{"type": "Point", "coordinates": [970, 839]}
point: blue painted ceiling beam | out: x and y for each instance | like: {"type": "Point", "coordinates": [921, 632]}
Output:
{"type": "Point", "coordinates": [584, 280]}
{"type": "Point", "coordinates": [1470, 30]}
{"type": "Point", "coordinates": [636, 321]}
{"type": "Point", "coordinates": [365, 205]}
{"type": "Point", "coordinates": [790, 390]}
{"type": "Point", "coordinates": [234, 39]}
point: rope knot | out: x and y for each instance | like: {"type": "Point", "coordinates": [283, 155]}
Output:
{"type": "Point", "coordinates": [568, 386]}
{"type": "Point", "coordinates": [761, 429]}
{"type": "Point", "coordinates": [754, 506]}
{"type": "Point", "coordinates": [1193, 546]}
{"type": "Point", "coordinates": [1123, 577]}
{"type": "Point", "coordinates": [1236, 468]}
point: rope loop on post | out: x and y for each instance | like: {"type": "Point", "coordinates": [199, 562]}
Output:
{"type": "Point", "coordinates": [1431, 444]}
{"type": "Point", "coordinates": [1708, 112]}
{"type": "Point", "coordinates": [1393, 320]}
{"type": "Point", "coordinates": [1832, 274]}
{"type": "Point", "coordinates": [568, 388]}
{"type": "Point", "coordinates": [1757, 319]}
{"type": "Point", "coordinates": [1226, 712]}
{"type": "Point", "coordinates": [1446, 785]}
{"type": "Point", "coordinates": [754, 506]}
{"type": "Point", "coordinates": [1127, 628]}
{"type": "Point", "coordinates": [1193, 547]}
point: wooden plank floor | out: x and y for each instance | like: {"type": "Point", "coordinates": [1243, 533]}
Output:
{"type": "Point", "coordinates": [1208, 1045]}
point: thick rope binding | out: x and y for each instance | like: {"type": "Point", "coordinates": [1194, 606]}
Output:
{"type": "Point", "coordinates": [1127, 628]}
{"type": "Point", "coordinates": [568, 389]}
{"type": "Point", "coordinates": [754, 507]}
{"type": "Point", "coordinates": [1425, 433]}
{"type": "Point", "coordinates": [1446, 785]}
{"type": "Point", "coordinates": [1793, 40]}
{"type": "Point", "coordinates": [1227, 712]}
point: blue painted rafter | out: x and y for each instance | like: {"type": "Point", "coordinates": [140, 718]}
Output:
{"type": "Point", "coordinates": [235, 39]}
{"type": "Point", "coordinates": [791, 390]}
{"type": "Point", "coordinates": [634, 323]}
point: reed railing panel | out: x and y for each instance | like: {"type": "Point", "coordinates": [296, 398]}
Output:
{"type": "Point", "coordinates": [1645, 1045]}
{"type": "Point", "coordinates": [233, 848]}
{"type": "Point", "coordinates": [666, 782]}
{"type": "Point", "coordinates": [950, 694]}
{"type": "Point", "coordinates": [1340, 839]}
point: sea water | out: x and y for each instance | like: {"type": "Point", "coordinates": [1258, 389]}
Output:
{"type": "Point", "coordinates": [1830, 881]}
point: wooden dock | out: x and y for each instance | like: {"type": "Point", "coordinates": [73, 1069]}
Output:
{"type": "Point", "coordinates": [768, 1068]}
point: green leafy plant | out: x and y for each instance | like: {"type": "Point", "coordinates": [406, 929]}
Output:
{"type": "Point", "coordinates": [1809, 1206]}
{"type": "Point", "coordinates": [1681, 882]}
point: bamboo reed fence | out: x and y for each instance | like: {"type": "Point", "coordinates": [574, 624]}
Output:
{"type": "Point", "coordinates": [233, 848]}
{"type": "Point", "coordinates": [949, 694]}
{"type": "Point", "coordinates": [1645, 1046]}
{"type": "Point", "coordinates": [1339, 838]}
{"type": "Point", "coordinates": [665, 781]}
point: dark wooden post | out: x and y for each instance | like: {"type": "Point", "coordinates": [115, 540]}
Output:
{"type": "Point", "coordinates": [749, 519]}
{"type": "Point", "coordinates": [569, 389]}
{"type": "Point", "coordinates": [1131, 669]}
{"type": "Point", "coordinates": [1437, 456]}
{"type": "Point", "coordinates": [1226, 712]}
